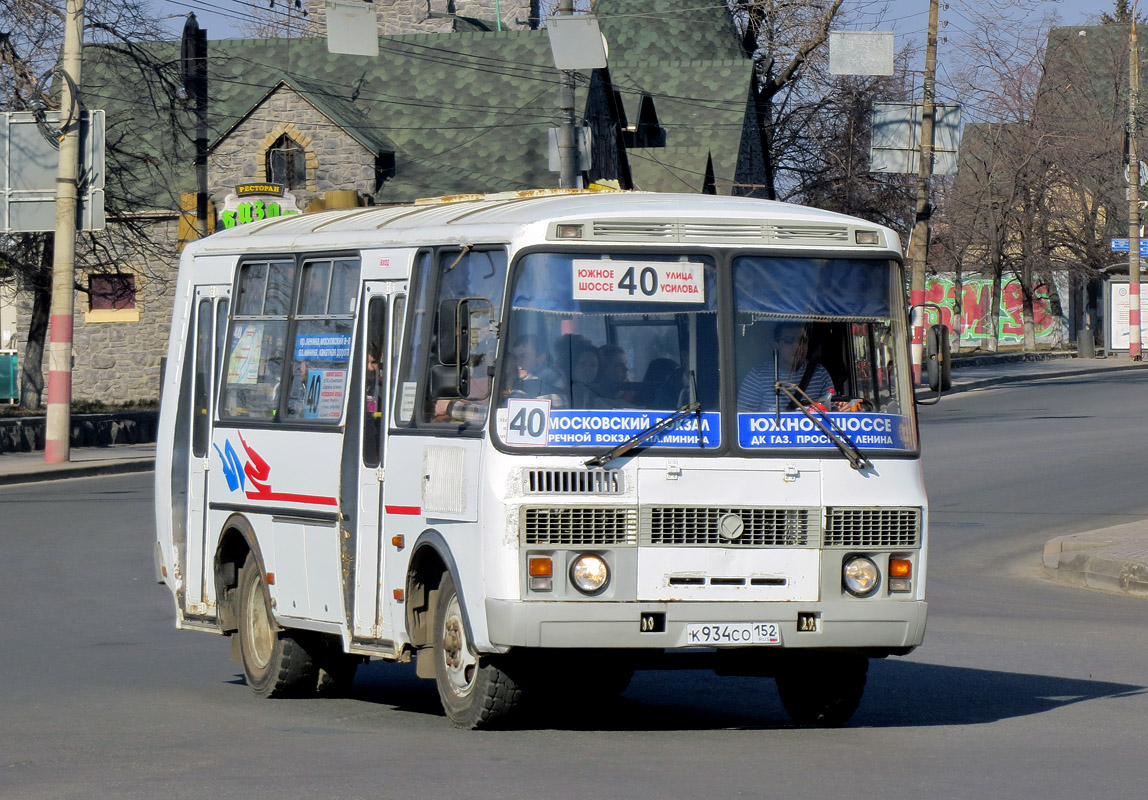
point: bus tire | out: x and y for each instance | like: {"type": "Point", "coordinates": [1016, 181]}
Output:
{"type": "Point", "coordinates": [275, 663]}
{"type": "Point", "coordinates": [822, 691]}
{"type": "Point", "coordinates": [475, 690]}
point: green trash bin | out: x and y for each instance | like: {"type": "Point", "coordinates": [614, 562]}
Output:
{"type": "Point", "coordinates": [9, 376]}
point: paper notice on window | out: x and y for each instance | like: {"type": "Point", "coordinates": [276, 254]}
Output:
{"type": "Point", "coordinates": [246, 354]}
{"type": "Point", "coordinates": [640, 281]}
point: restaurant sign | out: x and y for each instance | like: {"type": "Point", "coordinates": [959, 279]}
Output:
{"type": "Point", "coordinates": [252, 202]}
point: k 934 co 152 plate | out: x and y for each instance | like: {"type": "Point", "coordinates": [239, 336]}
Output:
{"type": "Point", "coordinates": [710, 634]}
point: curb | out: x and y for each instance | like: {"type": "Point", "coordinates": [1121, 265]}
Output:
{"type": "Point", "coordinates": [1110, 560]}
{"type": "Point", "coordinates": [79, 470]}
{"type": "Point", "coordinates": [999, 380]}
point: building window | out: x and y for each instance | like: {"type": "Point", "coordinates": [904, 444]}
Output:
{"type": "Point", "coordinates": [287, 163]}
{"type": "Point", "coordinates": [111, 292]}
{"type": "Point", "coordinates": [111, 298]}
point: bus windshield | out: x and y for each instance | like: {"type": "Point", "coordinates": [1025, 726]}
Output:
{"type": "Point", "coordinates": [598, 347]}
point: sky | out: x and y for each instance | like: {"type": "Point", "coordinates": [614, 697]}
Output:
{"type": "Point", "coordinates": [907, 17]}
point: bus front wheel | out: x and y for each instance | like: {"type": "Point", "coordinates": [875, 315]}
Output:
{"type": "Point", "coordinates": [475, 690]}
{"type": "Point", "coordinates": [275, 664]}
{"type": "Point", "coordinates": [822, 691]}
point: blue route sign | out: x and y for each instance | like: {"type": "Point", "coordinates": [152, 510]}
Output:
{"type": "Point", "coordinates": [1121, 246]}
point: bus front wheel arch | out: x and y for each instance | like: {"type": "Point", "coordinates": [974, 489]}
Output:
{"type": "Point", "coordinates": [477, 691]}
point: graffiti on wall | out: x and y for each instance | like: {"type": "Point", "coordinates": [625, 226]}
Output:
{"type": "Point", "coordinates": [976, 300]}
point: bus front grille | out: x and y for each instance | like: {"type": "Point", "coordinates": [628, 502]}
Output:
{"type": "Point", "coordinates": [574, 481]}
{"type": "Point", "coordinates": [872, 527]}
{"type": "Point", "coordinates": [693, 526]}
{"type": "Point", "coordinates": [579, 527]}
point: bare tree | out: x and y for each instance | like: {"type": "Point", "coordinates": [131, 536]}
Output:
{"type": "Point", "coordinates": [781, 37]}
{"type": "Point", "coordinates": [31, 33]}
{"type": "Point", "coordinates": [1035, 194]}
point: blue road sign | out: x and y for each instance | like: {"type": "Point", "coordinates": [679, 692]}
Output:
{"type": "Point", "coordinates": [1121, 246]}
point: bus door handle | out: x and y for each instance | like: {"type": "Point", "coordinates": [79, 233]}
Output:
{"type": "Point", "coordinates": [379, 474]}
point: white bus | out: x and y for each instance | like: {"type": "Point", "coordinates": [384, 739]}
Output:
{"type": "Point", "coordinates": [538, 440]}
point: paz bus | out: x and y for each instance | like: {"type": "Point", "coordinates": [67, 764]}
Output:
{"type": "Point", "coordinates": [536, 441]}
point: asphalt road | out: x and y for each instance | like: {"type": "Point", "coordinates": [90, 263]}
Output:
{"type": "Point", "coordinates": [1023, 688]}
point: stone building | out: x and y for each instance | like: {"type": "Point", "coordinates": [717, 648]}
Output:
{"type": "Point", "coordinates": [434, 113]}
{"type": "Point", "coordinates": [398, 17]}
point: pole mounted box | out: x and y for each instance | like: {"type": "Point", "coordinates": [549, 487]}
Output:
{"type": "Point", "coordinates": [28, 173]}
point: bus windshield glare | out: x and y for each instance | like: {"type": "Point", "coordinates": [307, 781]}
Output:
{"type": "Point", "coordinates": [598, 347]}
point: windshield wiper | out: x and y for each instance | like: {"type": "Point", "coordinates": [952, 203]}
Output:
{"type": "Point", "coordinates": [692, 407]}
{"type": "Point", "coordinates": [829, 427]}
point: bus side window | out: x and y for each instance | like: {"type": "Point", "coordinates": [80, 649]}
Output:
{"type": "Point", "coordinates": [460, 367]}
{"type": "Point", "coordinates": [374, 381]}
{"type": "Point", "coordinates": [254, 367]}
{"type": "Point", "coordinates": [203, 360]}
{"type": "Point", "coordinates": [415, 343]}
{"type": "Point", "coordinates": [321, 347]}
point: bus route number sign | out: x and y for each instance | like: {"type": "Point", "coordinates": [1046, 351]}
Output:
{"type": "Point", "coordinates": [640, 281]}
{"type": "Point", "coordinates": [529, 422]}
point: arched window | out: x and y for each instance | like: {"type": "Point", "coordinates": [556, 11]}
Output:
{"type": "Point", "coordinates": [287, 163]}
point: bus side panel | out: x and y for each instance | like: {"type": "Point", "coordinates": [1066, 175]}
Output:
{"type": "Point", "coordinates": [290, 478]}
{"type": "Point", "coordinates": [432, 485]}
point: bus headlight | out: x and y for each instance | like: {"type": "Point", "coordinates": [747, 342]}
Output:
{"type": "Point", "coordinates": [860, 576]}
{"type": "Point", "coordinates": [589, 573]}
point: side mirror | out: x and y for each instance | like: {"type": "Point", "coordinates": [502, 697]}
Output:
{"type": "Point", "coordinates": [939, 366]}
{"type": "Point", "coordinates": [453, 332]}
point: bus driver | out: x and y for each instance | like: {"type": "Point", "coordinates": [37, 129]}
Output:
{"type": "Point", "coordinates": [794, 366]}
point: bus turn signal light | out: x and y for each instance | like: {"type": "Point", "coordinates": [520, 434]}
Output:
{"type": "Point", "coordinates": [900, 568]}
{"type": "Point", "coordinates": [541, 569]}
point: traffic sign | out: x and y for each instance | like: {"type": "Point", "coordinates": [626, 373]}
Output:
{"type": "Point", "coordinates": [1122, 246]}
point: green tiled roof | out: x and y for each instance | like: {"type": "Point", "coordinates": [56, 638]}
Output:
{"type": "Point", "coordinates": [463, 112]}
{"type": "Point", "coordinates": [667, 29]}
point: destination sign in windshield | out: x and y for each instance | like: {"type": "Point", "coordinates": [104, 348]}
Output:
{"type": "Point", "coordinates": [644, 281]}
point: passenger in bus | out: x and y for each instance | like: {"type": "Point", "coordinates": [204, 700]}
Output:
{"type": "Point", "coordinates": [661, 385]}
{"type": "Point", "coordinates": [577, 361]}
{"type": "Point", "coordinates": [612, 384]}
{"type": "Point", "coordinates": [372, 382]}
{"type": "Point", "coordinates": [794, 365]}
{"type": "Point", "coordinates": [533, 376]}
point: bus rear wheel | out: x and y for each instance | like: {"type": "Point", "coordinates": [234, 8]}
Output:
{"type": "Point", "coordinates": [475, 690]}
{"type": "Point", "coordinates": [275, 663]}
{"type": "Point", "coordinates": [822, 691]}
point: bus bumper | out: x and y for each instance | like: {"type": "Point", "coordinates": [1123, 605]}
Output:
{"type": "Point", "coordinates": [896, 625]}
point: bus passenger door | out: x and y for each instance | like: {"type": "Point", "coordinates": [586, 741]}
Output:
{"type": "Point", "coordinates": [209, 324]}
{"type": "Point", "coordinates": [376, 361]}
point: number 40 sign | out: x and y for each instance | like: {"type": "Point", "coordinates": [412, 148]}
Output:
{"type": "Point", "coordinates": [529, 422]}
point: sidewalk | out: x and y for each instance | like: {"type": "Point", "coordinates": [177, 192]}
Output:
{"type": "Point", "coordinates": [1112, 559]}
{"type": "Point", "coordinates": [85, 462]}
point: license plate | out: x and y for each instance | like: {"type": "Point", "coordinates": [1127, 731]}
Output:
{"type": "Point", "coordinates": [707, 634]}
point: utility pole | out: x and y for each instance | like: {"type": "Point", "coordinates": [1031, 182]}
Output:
{"type": "Point", "coordinates": [58, 426]}
{"type": "Point", "coordinates": [567, 145]}
{"type": "Point", "coordinates": [194, 67]}
{"type": "Point", "coordinates": [919, 241]}
{"type": "Point", "coordinates": [1133, 174]}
